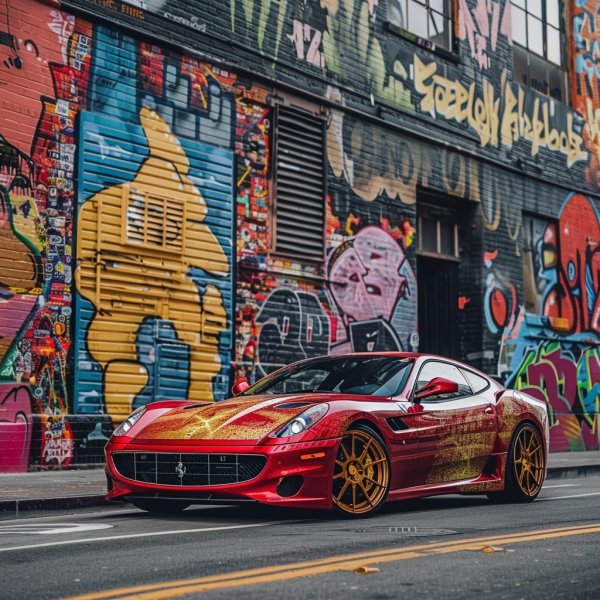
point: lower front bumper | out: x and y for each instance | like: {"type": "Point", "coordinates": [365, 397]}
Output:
{"type": "Point", "coordinates": [302, 472]}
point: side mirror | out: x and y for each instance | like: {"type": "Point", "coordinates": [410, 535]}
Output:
{"type": "Point", "coordinates": [438, 385]}
{"type": "Point", "coordinates": [239, 386]}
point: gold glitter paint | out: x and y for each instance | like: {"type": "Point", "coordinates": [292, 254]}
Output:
{"type": "Point", "coordinates": [464, 450]}
{"type": "Point", "coordinates": [231, 420]}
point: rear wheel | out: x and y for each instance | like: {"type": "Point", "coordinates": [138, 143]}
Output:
{"type": "Point", "coordinates": [525, 466]}
{"type": "Point", "coordinates": [160, 506]}
{"type": "Point", "coordinates": [361, 475]}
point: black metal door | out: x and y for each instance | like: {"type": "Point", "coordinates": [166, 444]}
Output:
{"type": "Point", "coordinates": [438, 306]}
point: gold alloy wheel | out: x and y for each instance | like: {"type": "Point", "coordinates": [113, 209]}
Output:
{"type": "Point", "coordinates": [529, 461]}
{"type": "Point", "coordinates": [361, 474]}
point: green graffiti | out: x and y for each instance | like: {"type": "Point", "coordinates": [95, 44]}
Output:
{"type": "Point", "coordinates": [569, 382]}
{"type": "Point", "coordinates": [349, 40]}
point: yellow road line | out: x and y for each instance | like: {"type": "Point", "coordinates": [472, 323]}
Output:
{"type": "Point", "coordinates": [173, 589]}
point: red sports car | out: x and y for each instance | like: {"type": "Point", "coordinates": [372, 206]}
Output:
{"type": "Point", "coordinates": [344, 432]}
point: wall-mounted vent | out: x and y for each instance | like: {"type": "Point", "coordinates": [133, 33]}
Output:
{"type": "Point", "coordinates": [153, 221]}
{"type": "Point", "coordinates": [300, 184]}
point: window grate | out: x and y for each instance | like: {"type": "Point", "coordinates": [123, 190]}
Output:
{"type": "Point", "coordinates": [300, 179]}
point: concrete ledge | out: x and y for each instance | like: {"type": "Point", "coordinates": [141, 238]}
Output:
{"type": "Point", "coordinates": [572, 471]}
{"type": "Point", "coordinates": [13, 508]}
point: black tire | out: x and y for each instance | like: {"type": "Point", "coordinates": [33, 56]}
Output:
{"type": "Point", "coordinates": [525, 466]}
{"type": "Point", "coordinates": [163, 507]}
{"type": "Point", "coordinates": [361, 474]}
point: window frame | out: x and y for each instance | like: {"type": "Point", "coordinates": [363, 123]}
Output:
{"type": "Point", "coordinates": [438, 215]}
{"type": "Point", "coordinates": [550, 66]}
{"type": "Point", "coordinates": [405, 24]}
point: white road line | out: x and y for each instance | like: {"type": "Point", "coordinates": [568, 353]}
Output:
{"type": "Point", "coordinates": [547, 487]}
{"type": "Point", "coordinates": [141, 535]}
{"type": "Point", "coordinates": [109, 512]}
{"type": "Point", "coordinates": [568, 497]}
{"type": "Point", "coordinates": [51, 528]}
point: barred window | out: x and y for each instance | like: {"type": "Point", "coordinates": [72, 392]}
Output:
{"type": "Point", "coordinates": [538, 30]}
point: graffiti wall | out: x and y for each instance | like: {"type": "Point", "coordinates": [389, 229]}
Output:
{"type": "Point", "coordinates": [37, 156]}
{"type": "Point", "coordinates": [550, 343]}
{"type": "Point", "coordinates": [363, 296]}
{"type": "Point", "coordinates": [154, 229]}
{"type": "Point", "coordinates": [279, 316]}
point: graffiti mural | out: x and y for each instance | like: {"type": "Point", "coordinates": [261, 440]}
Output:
{"type": "Point", "coordinates": [253, 206]}
{"type": "Point", "coordinates": [369, 280]}
{"type": "Point", "coordinates": [292, 324]}
{"type": "Point", "coordinates": [152, 222]}
{"type": "Point", "coordinates": [506, 118]}
{"type": "Point", "coordinates": [371, 286]}
{"type": "Point", "coordinates": [550, 346]}
{"type": "Point", "coordinates": [37, 159]}
{"type": "Point", "coordinates": [500, 301]}
{"type": "Point", "coordinates": [574, 296]}
{"type": "Point", "coordinates": [337, 37]}
{"type": "Point", "coordinates": [154, 244]}
{"type": "Point", "coordinates": [567, 377]}
{"type": "Point", "coordinates": [482, 25]}
{"type": "Point", "coordinates": [375, 161]}
{"type": "Point", "coordinates": [15, 427]}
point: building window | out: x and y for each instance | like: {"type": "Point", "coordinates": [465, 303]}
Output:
{"type": "Point", "coordinates": [300, 185]}
{"type": "Point", "coordinates": [538, 30]}
{"type": "Point", "coordinates": [429, 19]}
{"type": "Point", "coordinates": [437, 232]}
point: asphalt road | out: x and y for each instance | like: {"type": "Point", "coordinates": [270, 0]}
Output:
{"type": "Point", "coordinates": [443, 547]}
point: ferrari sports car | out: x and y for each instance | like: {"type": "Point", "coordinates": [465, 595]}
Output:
{"type": "Point", "coordinates": [346, 433]}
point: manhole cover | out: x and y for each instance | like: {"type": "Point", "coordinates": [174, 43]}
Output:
{"type": "Point", "coordinates": [420, 531]}
{"type": "Point", "coordinates": [409, 530]}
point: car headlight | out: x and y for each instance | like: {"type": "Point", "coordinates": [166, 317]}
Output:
{"type": "Point", "coordinates": [130, 421]}
{"type": "Point", "coordinates": [303, 421]}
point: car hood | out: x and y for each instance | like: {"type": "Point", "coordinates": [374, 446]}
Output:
{"type": "Point", "coordinates": [245, 418]}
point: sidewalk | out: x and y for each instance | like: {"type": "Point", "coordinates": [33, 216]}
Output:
{"type": "Point", "coordinates": [50, 490]}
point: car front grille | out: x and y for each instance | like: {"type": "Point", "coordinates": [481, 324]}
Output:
{"type": "Point", "coordinates": [171, 468]}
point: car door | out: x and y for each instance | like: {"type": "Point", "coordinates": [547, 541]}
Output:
{"type": "Point", "coordinates": [403, 446]}
{"type": "Point", "coordinates": [457, 431]}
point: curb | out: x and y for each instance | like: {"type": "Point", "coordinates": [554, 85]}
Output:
{"type": "Point", "coordinates": [572, 471]}
{"type": "Point", "coordinates": [13, 508]}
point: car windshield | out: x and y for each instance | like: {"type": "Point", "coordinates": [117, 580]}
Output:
{"type": "Point", "coordinates": [373, 375]}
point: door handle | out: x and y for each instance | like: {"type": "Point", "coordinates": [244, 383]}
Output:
{"type": "Point", "coordinates": [489, 410]}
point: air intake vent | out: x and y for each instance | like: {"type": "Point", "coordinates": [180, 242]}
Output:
{"type": "Point", "coordinates": [290, 486]}
{"type": "Point", "coordinates": [294, 404]}
{"type": "Point", "coordinates": [166, 468]}
{"type": "Point", "coordinates": [397, 424]}
{"type": "Point", "coordinates": [300, 184]}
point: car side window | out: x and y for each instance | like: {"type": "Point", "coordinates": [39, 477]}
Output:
{"type": "Point", "coordinates": [477, 382]}
{"type": "Point", "coordinates": [434, 368]}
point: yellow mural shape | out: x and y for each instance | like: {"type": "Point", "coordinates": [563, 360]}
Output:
{"type": "Point", "coordinates": [136, 245]}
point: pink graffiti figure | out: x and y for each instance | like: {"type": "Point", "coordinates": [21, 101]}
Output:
{"type": "Point", "coordinates": [366, 278]}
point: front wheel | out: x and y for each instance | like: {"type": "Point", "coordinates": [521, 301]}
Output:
{"type": "Point", "coordinates": [160, 506]}
{"type": "Point", "coordinates": [525, 466]}
{"type": "Point", "coordinates": [361, 475]}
